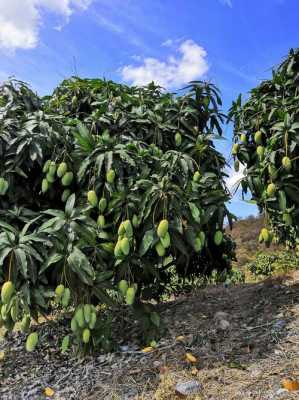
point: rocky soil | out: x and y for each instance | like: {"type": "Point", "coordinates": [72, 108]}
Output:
{"type": "Point", "coordinates": [245, 340]}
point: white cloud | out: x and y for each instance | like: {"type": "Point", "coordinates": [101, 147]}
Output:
{"type": "Point", "coordinates": [234, 178]}
{"type": "Point", "coordinates": [227, 3]}
{"type": "Point", "coordinates": [174, 72]}
{"type": "Point", "coordinates": [167, 43]}
{"type": "Point", "coordinates": [20, 20]}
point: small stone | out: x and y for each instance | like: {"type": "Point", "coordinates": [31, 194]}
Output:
{"type": "Point", "coordinates": [223, 324]}
{"type": "Point", "coordinates": [219, 315]}
{"type": "Point", "coordinates": [188, 387]}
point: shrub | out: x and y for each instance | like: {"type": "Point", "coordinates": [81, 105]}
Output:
{"type": "Point", "coordinates": [90, 173]}
{"type": "Point", "coordinates": [266, 131]}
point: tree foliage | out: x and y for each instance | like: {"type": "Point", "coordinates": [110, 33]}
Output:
{"type": "Point", "coordinates": [89, 173]}
{"type": "Point", "coordinates": [266, 139]}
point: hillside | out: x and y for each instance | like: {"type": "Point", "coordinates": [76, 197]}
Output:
{"type": "Point", "coordinates": [245, 233]}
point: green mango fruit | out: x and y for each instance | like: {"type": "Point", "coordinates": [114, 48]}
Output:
{"type": "Point", "coordinates": [45, 185]}
{"type": "Point", "coordinates": [243, 138]}
{"type": "Point", "coordinates": [265, 234]}
{"type": "Point", "coordinates": [271, 190]}
{"type": "Point", "coordinates": [261, 239]}
{"type": "Point", "coordinates": [160, 249]}
{"type": "Point", "coordinates": [14, 312]}
{"type": "Point", "coordinates": [287, 163]}
{"type": "Point", "coordinates": [80, 317]}
{"type": "Point", "coordinates": [4, 312]}
{"type": "Point", "coordinates": [117, 250]}
{"type": "Point", "coordinates": [218, 238]}
{"type": "Point", "coordinates": [260, 152]}
{"type": "Point", "coordinates": [121, 229]}
{"type": "Point", "coordinates": [197, 245]}
{"type": "Point", "coordinates": [130, 296]}
{"type": "Point", "coordinates": [52, 168]}
{"type": "Point", "coordinates": [65, 195]}
{"type": "Point", "coordinates": [258, 137]}
{"type": "Point", "coordinates": [110, 176]}
{"type": "Point", "coordinates": [62, 169]}
{"type": "Point", "coordinates": [101, 222]}
{"type": "Point", "coordinates": [162, 228]}
{"type": "Point", "coordinates": [93, 320]}
{"type": "Point", "coordinates": [178, 139]}
{"type": "Point", "coordinates": [237, 165]}
{"type": "Point", "coordinates": [25, 323]}
{"type": "Point", "coordinates": [50, 178]}
{"type": "Point", "coordinates": [202, 236]}
{"type": "Point", "coordinates": [59, 290]}
{"type": "Point", "coordinates": [102, 204]}
{"type": "Point", "coordinates": [87, 312]}
{"type": "Point", "coordinates": [92, 198]}
{"type": "Point", "coordinates": [235, 149]}
{"type": "Point", "coordinates": [67, 179]}
{"type": "Point", "coordinates": [74, 325]}
{"type": "Point", "coordinates": [66, 297]}
{"type": "Point", "coordinates": [196, 176]}
{"type": "Point", "coordinates": [165, 240]}
{"type": "Point", "coordinates": [86, 335]}
{"type": "Point", "coordinates": [125, 246]}
{"type": "Point", "coordinates": [135, 221]}
{"type": "Point", "coordinates": [3, 186]}
{"type": "Point", "coordinates": [7, 291]}
{"type": "Point", "coordinates": [31, 341]}
{"type": "Point", "coordinates": [123, 287]}
{"type": "Point", "coordinates": [128, 228]}
{"type": "Point", "coordinates": [46, 166]}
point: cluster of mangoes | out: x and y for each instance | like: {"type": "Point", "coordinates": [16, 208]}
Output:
{"type": "Point", "coordinates": [84, 322]}
{"type": "Point", "coordinates": [127, 292]}
{"type": "Point", "coordinates": [164, 238]}
{"type": "Point", "coordinates": [125, 239]}
{"type": "Point", "coordinates": [54, 171]}
{"type": "Point", "coordinates": [62, 295]}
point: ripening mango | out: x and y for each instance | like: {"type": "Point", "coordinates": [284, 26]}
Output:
{"type": "Point", "coordinates": [271, 190]}
{"type": "Point", "coordinates": [235, 149]}
{"type": "Point", "coordinates": [178, 139]}
{"type": "Point", "coordinates": [196, 176]}
{"type": "Point", "coordinates": [265, 234]}
{"type": "Point", "coordinates": [67, 179]}
{"type": "Point", "coordinates": [243, 138]}
{"type": "Point", "coordinates": [92, 198]}
{"type": "Point", "coordinates": [123, 287]}
{"type": "Point", "coordinates": [218, 237]}
{"type": "Point", "coordinates": [162, 228]}
{"type": "Point", "coordinates": [102, 204]}
{"type": "Point", "coordinates": [130, 296]}
{"type": "Point", "coordinates": [125, 246]}
{"type": "Point", "coordinates": [31, 341]}
{"type": "Point", "coordinates": [86, 335]}
{"type": "Point", "coordinates": [62, 169]}
{"type": "Point", "coordinates": [7, 291]}
{"type": "Point", "coordinates": [110, 176]}
{"type": "Point", "coordinates": [160, 249]}
{"type": "Point", "coordinates": [258, 137]}
{"type": "Point", "coordinates": [287, 163]}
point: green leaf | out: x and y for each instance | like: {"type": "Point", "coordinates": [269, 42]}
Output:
{"type": "Point", "coordinates": [147, 242]}
{"type": "Point", "coordinates": [81, 266]}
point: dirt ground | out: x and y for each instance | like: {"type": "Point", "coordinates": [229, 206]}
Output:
{"type": "Point", "coordinates": [245, 357]}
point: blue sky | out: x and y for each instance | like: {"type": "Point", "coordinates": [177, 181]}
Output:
{"type": "Point", "coordinates": [233, 43]}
